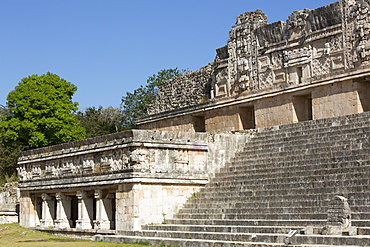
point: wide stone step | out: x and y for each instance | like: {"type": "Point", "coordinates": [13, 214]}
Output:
{"type": "Point", "coordinates": [223, 236]}
{"type": "Point", "coordinates": [358, 180]}
{"type": "Point", "coordinates": [292, 195]}
{"type": "Point", "coordinates": [159, 241]}
{"type": "Point", "coordinates": [314, 126]}
{"type": "Point", "coordinates": [267, 210]}
{"type": "Point", "coordinates": [304, 153]}
{"type": "Point", "coordinates": [291, 188]}
{"type": "Point", "coordinates": [261, 222]}
{"type": "Point", "coordinates": [221, 228]}
{"type": "Point", "coordinates": [347, 135]}
{"type": "Point", "coordinates": [300, 155]}
{"type": "Point", "coordinates": [252, 237]}
{"type": "Point", "coordinates": [291, 168]}
{"type": "Point", "coordinates": [311, 127]}
{"type": "Point", "coordinates": [252, 222]}
{"type": "Point", "coordinates": [267, 216]}
{"type": "Point", "coordinates": [259, 141]}
{"type": "Point", "coordinates": [242, 192]}
{"type": "Point", "coordinates": [236, 229]}
{"type": "Point", "coordinates": [283, 161]}
{"type": "Point", "coordinates": [275, 161]}
{"type": "Point", "coordinates": [361, 223]}
{"type": "Point", "coordinates": [297, 172]}
{"type": "Point", "coordinates": [250, 207]}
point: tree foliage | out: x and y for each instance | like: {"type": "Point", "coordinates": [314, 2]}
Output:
{"type": "Point", "coordinates": [100, 121]}
{"type": "Point", "coordinates": [40, 113]}
{"type": "Point", "coordinates": [8, 154]}
{"type": "Point", "coordinates": [136, 104]}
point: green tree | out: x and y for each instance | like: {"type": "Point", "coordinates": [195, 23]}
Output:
{"type": "Point", "coordinates": [100, 121]}
{"type": "Point", "coordinates": [8, 154]}
{"type": "Point", "coordinates": [136, 104]}
{"type": "Point", "coordinates": [41, 113]}
{"type": "Point", "coordinates": [8, 162]}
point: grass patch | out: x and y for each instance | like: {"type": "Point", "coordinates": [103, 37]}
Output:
{"type": "Point", "coordinates": [14, 235]}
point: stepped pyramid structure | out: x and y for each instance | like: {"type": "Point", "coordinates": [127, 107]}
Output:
{"type": "Point", "coordinates": [286, 178]}
{"type": "Point", "coordinates": [268, 145]}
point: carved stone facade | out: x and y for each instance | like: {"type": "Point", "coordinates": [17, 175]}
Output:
{"type": "Point", "coordinates": [188, 90]}
{"type": "Point", "coordinates": [269, 68]}
{"type": "Point", "coordinates": [109, 183]}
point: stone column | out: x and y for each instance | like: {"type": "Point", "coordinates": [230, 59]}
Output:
{"type": "Point", "coordinates": [85, 210]}
{"type": "Point", "coordinates": [63, 211]}
{"type": "Point", "coordinates": [104, 210]}
{"type": "Point", "coordinates": [48, 209]}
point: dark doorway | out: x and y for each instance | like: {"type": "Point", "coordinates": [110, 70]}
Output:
{"type": "Point", "coordinates": [303, 107]}
{"type": "Point", "coordinates": [247, 117]}
{"type": "Point", "coordinates": [74, 211]}
{"type": "Point", "coordinates": [199, 124]}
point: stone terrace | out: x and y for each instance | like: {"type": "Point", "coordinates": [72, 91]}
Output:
{"type": "Point", "coordinates": [286, 178]}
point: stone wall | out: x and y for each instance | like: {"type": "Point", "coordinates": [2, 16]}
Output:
{"type": "Point", "coordinates": [338, 98]}
{"type": "Point", "coordinates": [190, 89]}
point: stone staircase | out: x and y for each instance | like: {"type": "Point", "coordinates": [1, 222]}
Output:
{"type": "Point", "coordinates": [284, 180]}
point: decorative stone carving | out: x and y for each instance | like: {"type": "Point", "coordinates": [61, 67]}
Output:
{"type": "Point", "coordinates": [139, 159]}
{"type": "Point", "coordinates": [189, 90]}
{"type": "Point", "coordinates": [339, 216]}
{"type": "Point", "coordinates": [321, 66]}
{"type": "Point", "coordinates": [46, 197]}
{"type": "Point", "coordinates": [363, 30]}
{"type": "Point", "coordinates": [98, 194]}
{"type": "Point", "coordinates": [298, 56]}
{"type": "Point", "coordinates": [266, 79]}
{"type": "Point", "coordinates": [81, 194]}
{"type": "Point", "coordinates": [62, 197]}
{"type": "Point", "coordinates": [297, 22]}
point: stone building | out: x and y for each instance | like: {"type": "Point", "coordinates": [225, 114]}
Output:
{"type": "Point", "coordinates": [119, 181]}
{"type": "Point", "coordinates": [313, 66]}
{"type": "Point", "coordinates": [284, 149]}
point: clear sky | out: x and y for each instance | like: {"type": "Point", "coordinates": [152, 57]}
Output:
{"type": "Point", "coordinates": [109, 47]}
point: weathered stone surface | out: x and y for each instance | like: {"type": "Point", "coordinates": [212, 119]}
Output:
{"type": "Point", "coordinates": [191, 89]}
{"type": "Point", "coordinates": [9, 203]}
{"type": "Point", "coordinates": [339, 216]}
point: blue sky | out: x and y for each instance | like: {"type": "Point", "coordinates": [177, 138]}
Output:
{"type": "Point", "coordinates": [109, 47]}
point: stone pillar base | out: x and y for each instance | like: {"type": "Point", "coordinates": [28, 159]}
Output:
{"type": "Point", "coordinates": [47, 223]}
{"type": "Point", "coordinates": [83, 224]}
{"type": "Point", "coordinates": [63, 223]}
{"type": "Point", "coordinates": [103, 224]}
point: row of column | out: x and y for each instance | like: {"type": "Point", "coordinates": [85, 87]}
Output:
{"type": "Point", "coordinates": [57, 211]}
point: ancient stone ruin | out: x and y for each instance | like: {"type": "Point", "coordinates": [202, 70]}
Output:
{"type": "Point", "coordinates": [268, 145]}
